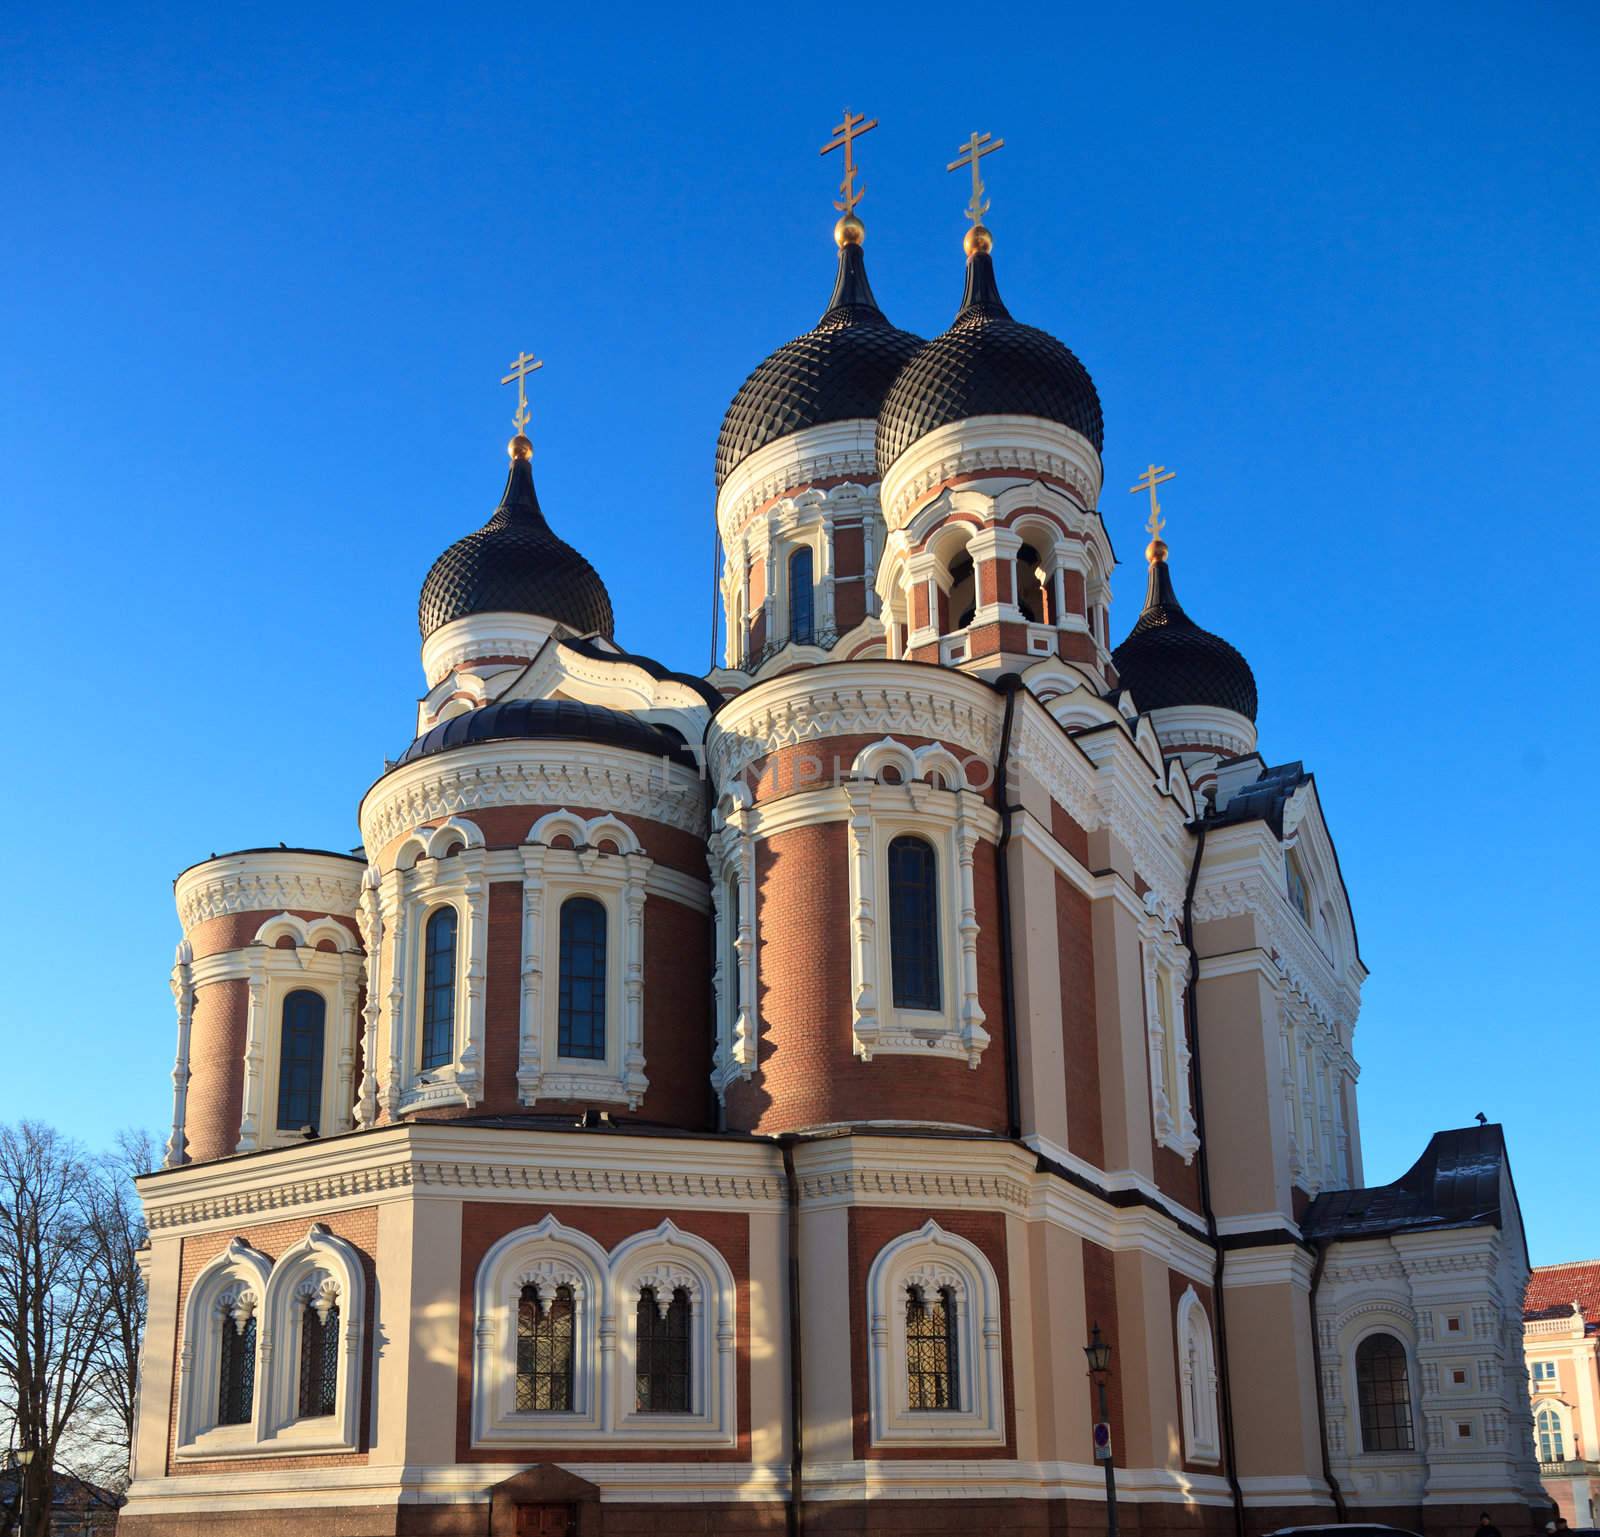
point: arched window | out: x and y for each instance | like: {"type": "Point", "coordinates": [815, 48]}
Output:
{"type": "Point", "coordinates": [1383, 1389]}
{"type": "Point", "coordinates": [545, 1339]}
{"type": "Point", "coordinates": [914, 923]}
{"type": "Point", "coordinates": [236, 1370]}
{"type": "Point", "coordinates": [663, 1384]}
{"type": "Point", "coordinates": [439, 989]}
{"type": "Point", "coordinates": [1197, 1373]}
{"type": "Point", "coordinates": [582, 1018]}
{"type": "Point", "coordinates": [1552, 1439]}
{"type": "Point", "coordinates": [319, 1358]}
{"type": "Point", "coordinates": [963, 592]}
{"type": "Point", "coordinates": [1299, 886]}
{"type": "Point", "coordinates": [931, 1351]}
{"type": "Point", "coordinates": [1030, 587]}
{"type": "Point", "coordinates": [300, 1061]}
{"type": "Point", "coordinates": [802, 605]}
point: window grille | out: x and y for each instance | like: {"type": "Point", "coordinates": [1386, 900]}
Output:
{"type": "Point", "coordinates": [439, 989]}
{"type": "Point", "coordinates": [319, 1362]}
{"type": "Point", "coordinates": [300, 1060]}
{"type": "Point", "coordinates": [931, 1349]}
{"type": "Point", "coordinates": [236, 1373]}
{"type": "Point", "coordinates": [545, 1341]}
{"type": "Point", "coordinates": [663, 1374]}
{"type": "Point", "coordinates": [1383, 1389]}
{"type": "Point", "coordinates": [914, 923]}
{"type": "Point", "coordinates": [583, 979]}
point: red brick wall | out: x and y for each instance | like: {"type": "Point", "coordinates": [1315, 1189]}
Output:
{"type": "Point", "coordinates": [216, 1067]}
{"type": "Point", "coordinates": [818, 764]}
{"type": "Point", "coordinates": [359, 1228]}
{"type": "Point", "coordinates": [1100, 1307]}
{"type": "Point", "coordinates": [870, 1229]}
{"type": "Point", "coordinates": [849, 550]}
{"type": "Point", "coordinates": [485, 1223]}
{"type": "Point", "coordinates": [807, 1071]}
{"type": "Point", "coordinates": [233, 931]}
{"type": "Point", "coordinates": [1075, 940]}
{"type": "Point", "coordinates": [1069, 833]}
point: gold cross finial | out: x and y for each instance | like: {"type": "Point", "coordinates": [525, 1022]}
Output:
{"type": "Point", "coordinates": [523, 364]}
{"type": "Point", "coordinates": [845, 135]}
{"type": "Point", "coordinates": [1155, 475]}
{"type": "Point", "coordinates": [972, 152]}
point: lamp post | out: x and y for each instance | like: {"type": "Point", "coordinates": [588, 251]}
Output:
{"type": "Point", "coordinates": [24, 1458]}
{"type": "Point", "coordinates": [1099, 1355]}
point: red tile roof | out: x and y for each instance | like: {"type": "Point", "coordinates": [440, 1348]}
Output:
{"type": "Point", "coordinates": [1552, 1289]}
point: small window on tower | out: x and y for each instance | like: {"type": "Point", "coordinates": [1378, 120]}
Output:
{"type": "Point", "coordinates": [802, 607]}
{"type": "Point", "coordinates": [582, 1003]}
{"type": "Point", "coordinates": [1030, 585]}
{"type": "Point", "coordinates": [914, 923]}
{"type": "Point", "coordinates": [439, 989]}
{"type": "Point", "coordinates": [963, 592]}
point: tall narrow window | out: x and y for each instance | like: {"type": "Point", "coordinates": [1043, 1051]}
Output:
{"type": "Point", "coordinates": [544, 1351]}
{"type": "Point", "coordinates": [1552, 1443]}
{"type": "Point", "coordinates": [662, 1373]}
{"type": "Point", "coordinates": [1030, 586]}
{"type": "Point", "coordinates": [236, 1372]}
{"type": "Point", "coordinates": [300, 1061]}
{"type": "Point", "coordinates": [802, 608]}
{"type": "Point", "coordinates": [583, 979]}
{"type": "Point", "coordinates": [1383, 1389]}
{"type": "Point", "coordinates": [963, 592]}
{"type": "Point", "coordinates": [931, 1349]}
{"type": "Point", "coordinates": [319, 1361]}
{"type": "Point", "coordinates": [439, 989]}
{"type": "Point", "coordinates": [914, 923]}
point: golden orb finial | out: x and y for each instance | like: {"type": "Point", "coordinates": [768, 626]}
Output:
{"type": "Point", "coordinates": [977, 239]}
{"type": "Point", "coordinates": [520, 448]}
{"type": "Point", "coordinates": [1155, 551]}
{"type": "Point", "coordinates": [849, 231]}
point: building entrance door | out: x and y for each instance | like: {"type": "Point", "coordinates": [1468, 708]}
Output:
{"type": "Point", "coordinates": [547, 1520]}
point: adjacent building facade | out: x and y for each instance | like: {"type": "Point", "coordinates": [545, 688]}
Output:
{"type": "Point", "coordinates": [1561, 1335]}
{"type": "Point", "coordinates": [729, 1103]}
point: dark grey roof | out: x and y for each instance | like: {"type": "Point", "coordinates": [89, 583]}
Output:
{"type": "Point", "coordinates": [1456, 1183]}
{"type": "Point", "coordinates": [514, 563]}
{"type": "Point", "coordinates": [1263, 800]}
{"type": "Point", "coordinates": [987, 364]}
{"type": "Point", "coordinates": [588, 648]}
{"type": "Point", "coordinates": [839, 371]}
{"type": "Point", "coordinates": [1167, 659]}
{"type": "Point", "coordinates": [565, 720]}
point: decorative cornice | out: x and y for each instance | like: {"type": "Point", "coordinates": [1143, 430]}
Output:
{"type": "Point", "coordinates": [826, 452]}
{"type": "Point", "coordinates": [520, 773]}
{"type": "Point", "coordinates": [268, 880]}
{"type": "Point", "coordinates": [917, 1186]}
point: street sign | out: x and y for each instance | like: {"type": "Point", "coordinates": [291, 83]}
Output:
{"type": "Point", "coordinates": [1102, 1442]}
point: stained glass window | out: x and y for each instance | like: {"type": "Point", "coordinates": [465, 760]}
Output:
{"type": "Point", "coordinates": [1383, 1388]}
{"type": "Point", "coordinates": [914, 923]}
{"type": "Point", "coordinates": [300, 1061]}
{"type": "Point", "coordinates": [439, 989]}
{"type": "Point", "coordinates": [663, 1373]}
{"type": "Point", "coordinates": [545, 1351]}
{"type": "Point", "coordinates": [583, 979]}
{"type": "Point", "coordinates": [931, 1349]}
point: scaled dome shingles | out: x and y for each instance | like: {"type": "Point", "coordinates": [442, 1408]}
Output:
{"type": "Point", "coordinates": [568, 720]}
{"type": "Point", "coordinates": [987, 364]}
{"type": "Point", "coordinates": [1168, 660]}
{"type": "Point", "coordinates": [838, 371]}
{"type": "Point", "coordinates": [515, 564]}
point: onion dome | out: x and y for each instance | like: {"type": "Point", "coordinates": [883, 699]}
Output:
{"type": "Point", "coordinates": [1167, 660]}
{"type": "Point", "coordinates": [562, 720]}
{"type": "Point", "coordinates": [987, 364]}
{"type": "Point", "coordinates": [515, 564]}
{"type": "Point", "coordinates": [839, 371]}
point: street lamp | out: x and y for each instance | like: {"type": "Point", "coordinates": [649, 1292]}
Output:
{"type": "Point", "coordinates": [24, 1456]}
{"type": "Point", "coordinates": [1098, 1352]}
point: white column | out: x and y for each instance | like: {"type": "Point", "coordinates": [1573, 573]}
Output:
{"type": "Point", "coordinates": [973, 1036]}
{"type": "Point", "coordinates": [469, 1074]}
{"type": "Point", "coordinates": [369, 913]}
{"type": "Point", "coordinates": [394, 908]}
{"type": "Point", "coordinates": [864, 952]}
{"type": "Point", "coordinates": [183, 998]}
{"type": "Point", "coordinates": [530, 1043]}
{"type": "Point", "coordinates": [255, 1031]}
{"type": "Point", "coordinates": [634, 1080]}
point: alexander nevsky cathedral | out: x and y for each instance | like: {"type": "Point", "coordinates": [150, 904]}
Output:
{"type": "Point", "coordinates": [854, 1091]}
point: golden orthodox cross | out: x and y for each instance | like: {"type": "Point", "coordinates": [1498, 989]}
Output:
{"type": "Point", "coordinates": [845, 135]}
{"type": "Point", "coordinates": [521, 366]}
{"type": "Point", "coordinates": [971, 153]}
{"type": "Point", "coordinates": [1155, 475]}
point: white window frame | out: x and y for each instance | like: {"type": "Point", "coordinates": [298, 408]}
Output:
{"type": "Point", "coordinates": [731, 854]}
{"type": "Point", "coordinates": [1563, 1429]}
{"type": "Point", "coordinates": [1551, 1377]}
{"type": "Point", "coordinates": [229, 1288]}
{"type": "Point", "coordinates": [946, 814]}
{"type": "Point", "coordinates": [1197, 1380]}
{"type": "Point", "coordinates": [320, 1266]}
{"type": "Point", "coordinates": [605, 1348]}
{"type": "Point", "coordinates": [1166, 981]}
{"type": "Point", "coordinates": [936, 1261]}
{"type": "Point", "coordinates": [616, 880]}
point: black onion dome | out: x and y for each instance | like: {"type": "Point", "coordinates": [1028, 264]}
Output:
{"type": "Point", "coordinates": [1167, 659]}
{"type": "Point", "coordinates": [839, 371]}
{"type": "Point", "coordinates": [563, 720]}
{"type": "Point", "coordinates": [987, 364]}
{"type": "Point", "coordinates": [515, 564]}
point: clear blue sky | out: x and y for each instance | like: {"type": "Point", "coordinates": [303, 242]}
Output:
{"type": "Point", "coordinates": [262, 266]}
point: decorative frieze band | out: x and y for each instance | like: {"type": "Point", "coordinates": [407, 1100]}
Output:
{"type": "Point", "coordinates": [238, 888]}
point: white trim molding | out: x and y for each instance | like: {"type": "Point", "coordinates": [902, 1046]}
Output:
{"type": "Point", "coordinates": [935, 1261]}
{"type": "Point", "coordinates": [1197, 1380]}
{"type": "Point", "coordinates": [226, 1294]}
{"type": "Point", "coordinates": [732, 857]}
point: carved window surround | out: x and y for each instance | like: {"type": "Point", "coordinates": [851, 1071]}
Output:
{"type": "Point", "coordinates": [1166, 981]}
{"type": "Point", "coordinates": [732, 857]}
